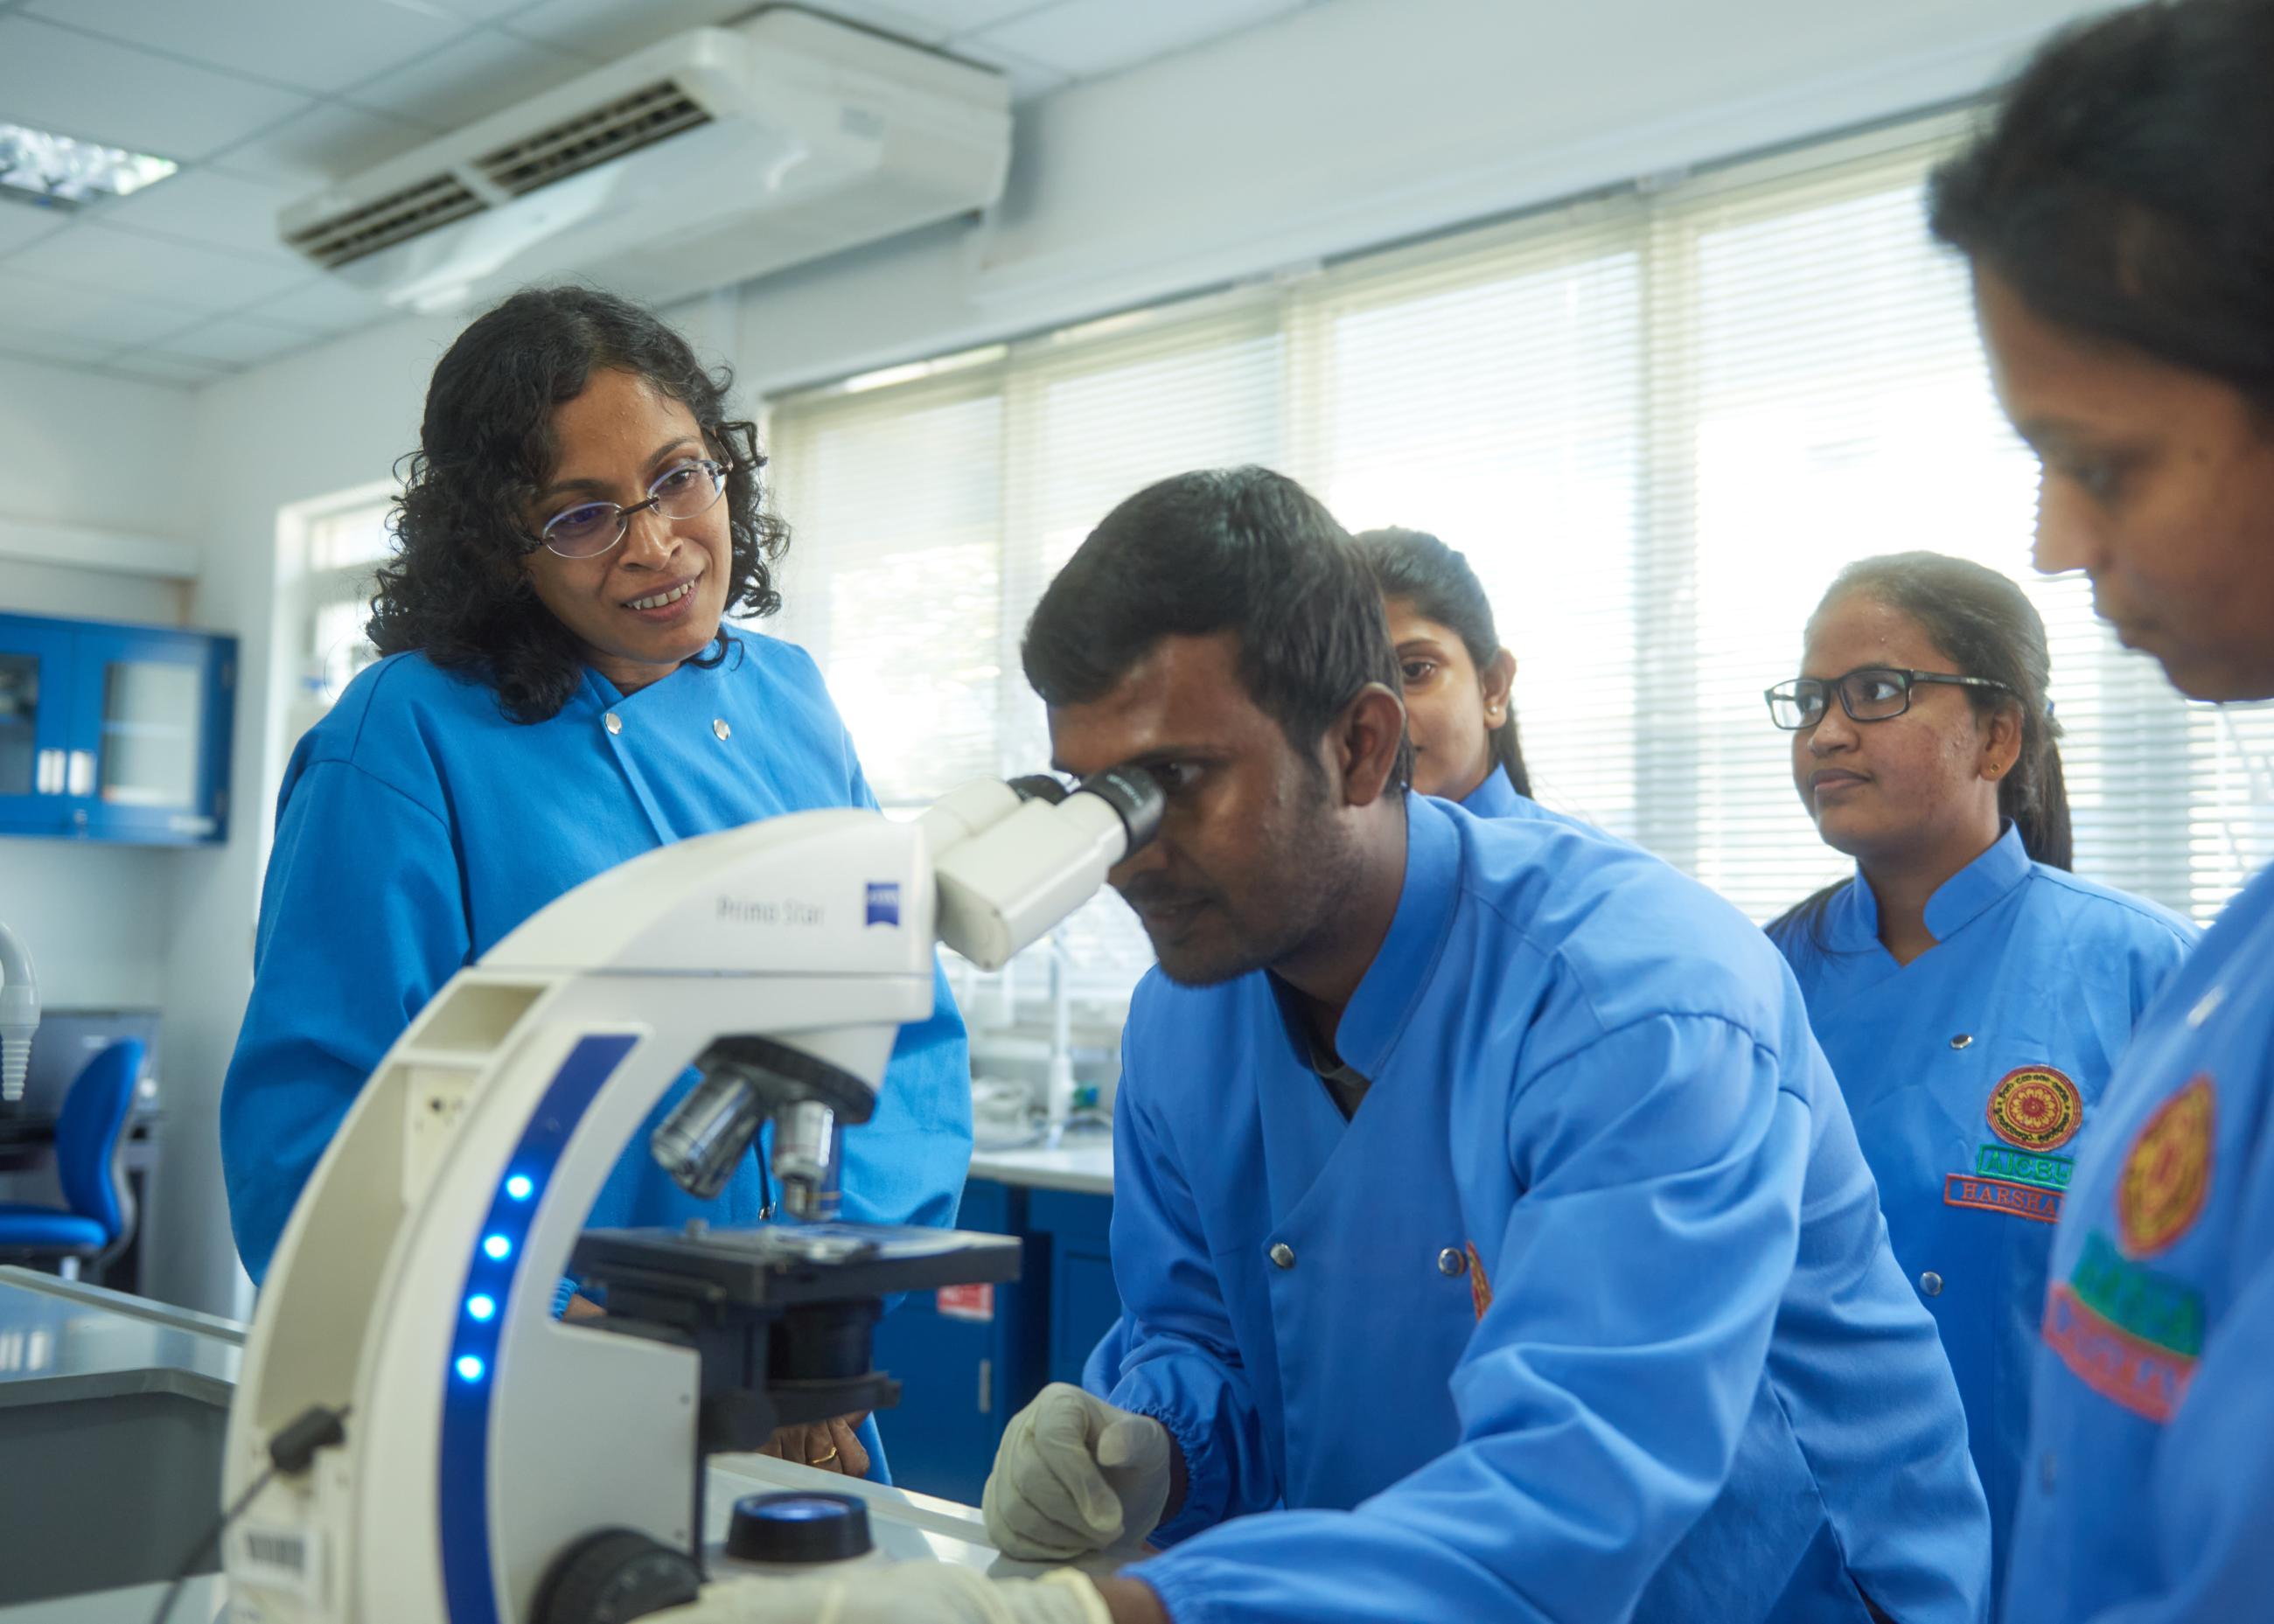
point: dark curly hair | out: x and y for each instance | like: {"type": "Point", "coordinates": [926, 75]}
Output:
{"type": "Point", "coordinates": [456, 589]}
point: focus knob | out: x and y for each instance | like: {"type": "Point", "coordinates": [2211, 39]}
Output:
{"type": "Point", "coordinates": [613, 1576]}
{"type": "Point", "coordinates": [798, 1528]}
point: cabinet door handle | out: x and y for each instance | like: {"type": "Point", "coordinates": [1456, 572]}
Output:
{"type": "Point", "coordinates": [82, 772]}
{"type": "Point", "coordinates": [47, 773]}
{"type": "Point", "coordinates": [986, 1387]}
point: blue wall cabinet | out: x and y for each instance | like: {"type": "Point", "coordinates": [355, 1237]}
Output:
{"type": "Point", "coordinates": [114, 732]}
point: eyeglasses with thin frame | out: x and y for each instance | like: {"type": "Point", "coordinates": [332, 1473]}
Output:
{"type": "Point", "coordinates": [1867, 693]}
{"type": "Point", "coordinates": [683, 491]}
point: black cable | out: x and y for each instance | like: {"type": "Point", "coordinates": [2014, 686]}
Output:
{"type": "Point", "coordinates": [317, 1427]}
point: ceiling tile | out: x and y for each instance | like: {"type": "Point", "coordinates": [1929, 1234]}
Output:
{"type": "Point", "coordinates": [93, 315]}
{"type": "Point", "coordinates": [96, 255]}
{"type": "Point", "coordinates": [151, 366]}
{"type": "Point", "coordinates": [27, 222]}
{"type": "Point", "coordinates": [1089, 39]}
{"type": "Point", "coordinates": [604, 29]}
{"type": "Point", "coordinates": [1029, 79]}
{"type": "Point", "coordinates": [325, 304]}
{"type": "Point", "coordinates": [26, 346]}
{"type": "Point", "coordinates": [323, 145]}
{"type": "Point", "coordinates": [204, 206]}
{"type": "Point", "coordinates": [57, 80]}
{"type": "Point", "coordinates": [233, 341]}
{"type": "Point", "coordinates": [274, 39]}
{"type": "Point", "coordinates": [480, 11]}
{"type": "Point", "coordinates": [476, 77]}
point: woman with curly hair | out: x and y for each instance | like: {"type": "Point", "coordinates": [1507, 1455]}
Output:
{"type": "Point", "coordinates": [560, 693]}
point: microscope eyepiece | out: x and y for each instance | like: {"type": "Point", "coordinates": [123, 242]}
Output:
{"type": "Point", "coordinates": [1134, 792]}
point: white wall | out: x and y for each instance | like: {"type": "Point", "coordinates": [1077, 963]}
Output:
{"type": "Point", "coordinates": [104, 453]}
{"type": "Point", "coordinates": [1343, 126]}
{"type": "Point", "coordinates": [1361, 122]}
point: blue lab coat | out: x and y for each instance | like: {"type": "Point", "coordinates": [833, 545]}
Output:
{"type": "Point", "coordinates": [418, 826]}
{"type": "Point", "coordinates": [2035, 971]}
{"type": "Point", "coordinates": [1589, 1307]}
{"type": "Point", "coordinates": [2149, 1492]}
{"type": "Point", "coordinates": [1496, 797]}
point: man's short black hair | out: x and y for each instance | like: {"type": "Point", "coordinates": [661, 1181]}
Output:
{"type": "Point", "coordinates": [1243, 550]}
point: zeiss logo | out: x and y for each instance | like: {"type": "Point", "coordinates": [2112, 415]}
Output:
{"type": "Point", "coordinates": [884, 903]}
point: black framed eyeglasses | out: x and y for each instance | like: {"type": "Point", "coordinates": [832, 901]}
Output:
{"type": "Point", "coordinates": [1867, 693]}
{"type": "Point", "coordinates": [682, 491]}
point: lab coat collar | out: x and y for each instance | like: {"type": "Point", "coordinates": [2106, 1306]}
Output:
{"type": "Point", "coordinates": [1394, 983]}
{"type": "Point", "coordinates": [602, 693]}
{"type": "Point", "coordinates": [1968, 894]}
{"type": "Point", "coordinates": [1495, 797]}
{"type": "Point", "coordinates": [1851, 920]}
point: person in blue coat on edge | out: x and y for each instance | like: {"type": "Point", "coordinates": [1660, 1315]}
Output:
{"type": "Point", "coordinates": [558, 694]}
{"type": "Point", "coordinates": [2116, 216]}
{"type": "Point", "coordinates": [1971, 995]}
{"type": "Point", "coordinates": [1494, 1241]}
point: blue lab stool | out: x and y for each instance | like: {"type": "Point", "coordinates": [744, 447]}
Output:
{"type": "Point", "coordinates": [99, 1219]}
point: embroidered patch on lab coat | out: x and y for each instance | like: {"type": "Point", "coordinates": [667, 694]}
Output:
{"type": "Point", "coordinates": [2167, 1171]}
{"type": "Point", "coordinates": [1480, 1287]}
{"type": "Point", "coordinates": [2153, 1307]}
{"type": "Point", "coordinates": [2036, 1108]}
{"type": "Point", "coordinates": [1997, 1195]}
{"type": "Point", "coordinates": [2146, 1380]}
{"type": "Point", "coordinates": [2005, 1161]}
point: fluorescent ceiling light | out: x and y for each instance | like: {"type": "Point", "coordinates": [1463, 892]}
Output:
{"type": "Point", "coordinates": [37, 167]}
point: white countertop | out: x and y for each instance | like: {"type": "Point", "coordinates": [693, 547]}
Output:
{"type": "Point", "coordinates": [1083, 1165]}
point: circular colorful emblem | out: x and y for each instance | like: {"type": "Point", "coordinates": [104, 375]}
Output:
{"type": "Point", "coordinates": [2036, 1108]}
{"type": "Point", "coordinates": [2167, 1171]}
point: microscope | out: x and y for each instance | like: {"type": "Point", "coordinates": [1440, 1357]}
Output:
{"type": "Point", "coordinates": [415, 1434]}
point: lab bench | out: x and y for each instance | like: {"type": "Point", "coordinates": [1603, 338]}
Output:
{"type": "Point", "coordinates": [969, 1358]}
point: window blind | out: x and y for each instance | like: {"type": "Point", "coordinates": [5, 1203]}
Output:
{"type": "Point", "coordinates": [1657, 423]}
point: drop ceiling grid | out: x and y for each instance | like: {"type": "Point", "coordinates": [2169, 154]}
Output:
{"type": "Point", "coordinates": [261, 122]}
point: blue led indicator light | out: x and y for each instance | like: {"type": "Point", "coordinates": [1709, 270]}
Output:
{"type": "Point", "coordinates": [481, 1305]}
{"type": "Point", "coordinates": [520, 1187]}
{"type": "Point", "coordinates": [470, 1368]}
{"type": "Point", "coordinates": [497, 1246]}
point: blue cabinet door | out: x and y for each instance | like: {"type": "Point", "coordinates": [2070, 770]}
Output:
{"type": "Point", "coordinates": [35, 720]}
{"type": "Point", "coordinates": [150, 721]}
{"type": "Point", "coordinates": [965, 1361]}
{"type": "Point", "coordinates": [1084, 1303]}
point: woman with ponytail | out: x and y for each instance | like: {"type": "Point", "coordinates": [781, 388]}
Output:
{"type": "Point", "coordinates": [1971, 994]}
{"type": "Point", "coordinates": [1460, 711]}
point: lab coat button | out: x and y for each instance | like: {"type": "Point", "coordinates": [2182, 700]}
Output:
{"type": "Point", "coordinates": [1452, 1260]}
{"type": "Point", "coordinates": [614, 722]}
{"type": "Point", "coordinates": [720, 730]}
{"type": "Point", "coordinates": [1962, 1040]}
{"type": "Point", "coordinates": [1283, 1255]}
{"type": "Point", "coordinates": [1930, 1283]}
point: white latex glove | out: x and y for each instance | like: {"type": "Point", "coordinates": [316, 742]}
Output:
{"type": "Point", "coordinates": [901, 1593]}
{"type": "Point", "coordinates": [1075, 1474]}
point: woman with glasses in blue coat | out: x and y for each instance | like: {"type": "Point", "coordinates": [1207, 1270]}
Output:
{"type": "Point", "coordinates": [562, 692]}
{"type": "Point", "coordinates": [1972, 994]}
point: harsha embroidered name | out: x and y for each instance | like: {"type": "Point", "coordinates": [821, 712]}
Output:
{"type": "Point", "coordinates": [1999, 1195]}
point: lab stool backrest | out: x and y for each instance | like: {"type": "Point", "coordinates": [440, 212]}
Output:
{"type": "Point", "coordinates": [88, 1135]}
